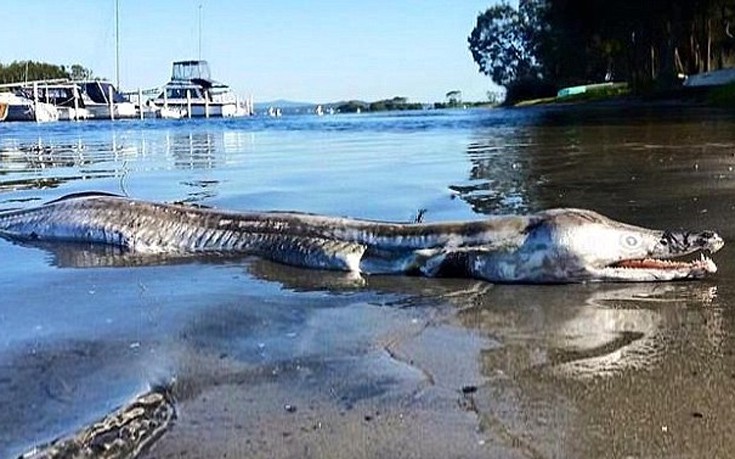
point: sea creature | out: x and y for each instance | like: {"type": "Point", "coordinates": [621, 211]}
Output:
{"type": "Point", "coordinates": [124, 433]}
{"type": "Point", "coordinates": [552, 246]}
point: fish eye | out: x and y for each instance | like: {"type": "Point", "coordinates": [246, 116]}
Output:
{"type": "Point", "coordinates": [630, 241]}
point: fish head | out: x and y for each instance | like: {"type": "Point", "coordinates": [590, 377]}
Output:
{"type": "Point", "coordinates": [591, 247]}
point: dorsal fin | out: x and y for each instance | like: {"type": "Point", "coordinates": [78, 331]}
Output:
{"type": "Point", "coordinates": [84, 194]}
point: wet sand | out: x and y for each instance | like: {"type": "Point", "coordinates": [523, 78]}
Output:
{"type": "Point", "coordinates": [627, 372]}
{"type": "Point", "coordinates": [372, 405]}
{"type": "Point", "coordinates": [445, 368]}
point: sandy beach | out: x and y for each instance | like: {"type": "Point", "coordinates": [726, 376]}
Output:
{"type": "Point", "coordinates": [443, 387]}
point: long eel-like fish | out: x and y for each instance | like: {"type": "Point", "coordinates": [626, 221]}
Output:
{"type": "Point", "coordinates": [553, 246]}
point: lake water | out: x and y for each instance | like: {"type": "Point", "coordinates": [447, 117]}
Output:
{"type": "Point", "coordinates": [435, 367]}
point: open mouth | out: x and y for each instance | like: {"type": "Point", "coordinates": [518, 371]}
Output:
{"type": "Point", "coordinates": [704, 263]}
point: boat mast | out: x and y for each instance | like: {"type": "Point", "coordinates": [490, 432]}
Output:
{"type": "Point", "coordinates": [200, 31]}
{"type": "Point", "coordinates": [117, 43]}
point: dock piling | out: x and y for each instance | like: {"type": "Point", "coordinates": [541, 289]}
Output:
{"type": "Point", "coordinates": [75, 91]}
{"type": "Point", "coordinates": [35, 100]}
{"type": "Point", "coordinates": [112, 103]}
{"type": "Point", "coordinates": [188, 102]}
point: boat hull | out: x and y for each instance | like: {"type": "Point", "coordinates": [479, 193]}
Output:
{"type": "Point", "coordinates": [200, 109]}
{"type": "Point", "coordinates": [28, 111]}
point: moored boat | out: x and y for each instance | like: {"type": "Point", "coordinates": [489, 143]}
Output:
{"type": "Point", "coordinates": [75, 100]}
{"type": "Point", "coordinates": [103, 100]}
{"type": "Point", "coordinates": [194, 93]}
{"type": "Point", "coordinates": [15, 107]}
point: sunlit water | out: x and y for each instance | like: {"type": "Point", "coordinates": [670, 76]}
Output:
{"type": "Point", "coordinates": [76, 340]}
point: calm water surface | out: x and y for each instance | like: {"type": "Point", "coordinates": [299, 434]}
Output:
{"type": "Point", "coordinates": [566, 371]}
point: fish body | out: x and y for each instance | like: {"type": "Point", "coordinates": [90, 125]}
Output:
{"type": "Point", "coordinates": [553, 246]}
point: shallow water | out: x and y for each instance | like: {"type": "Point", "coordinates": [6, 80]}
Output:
{"type": "Point", "coordinates": [570, 371]}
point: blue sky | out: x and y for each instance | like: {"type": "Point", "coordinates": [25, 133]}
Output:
{"type": "Point", "coordinates": [307, 50]}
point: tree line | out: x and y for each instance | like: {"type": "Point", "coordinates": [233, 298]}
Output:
{"type": "Point", "coordinates": [543, 45]}
{"type": "Point", "coordinates": [396, 103]}
{"type": "Point", "coordinates": [20, 71]}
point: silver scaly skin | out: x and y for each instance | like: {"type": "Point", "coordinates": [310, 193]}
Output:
{"type": "Point", "coordinates": [553, 246]}
{"type": "Point", "coordinates": [122, 434]}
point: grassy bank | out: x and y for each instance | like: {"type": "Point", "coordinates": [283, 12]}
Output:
{"type": "Point", "coordinates": [593, 94]}
{"type": "Point", "coordinates": [716, 96]}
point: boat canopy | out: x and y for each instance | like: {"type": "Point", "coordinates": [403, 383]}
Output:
{"type": "Point", "coordinates": [98, 91]}
{"type": "Point", "coordinates": [60, 95]}
{"type": "Point", "coordinates": [194, 72]}
{"type": "Point", "coordinates": [189, 70]}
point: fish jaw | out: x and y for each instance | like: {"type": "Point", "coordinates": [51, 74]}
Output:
{"type": "Point", "coordinates": [574, 245]}
{"type": "Point", "coordinates": [653, 270]}
{"type": "Point", "coordinates": [662, 263]}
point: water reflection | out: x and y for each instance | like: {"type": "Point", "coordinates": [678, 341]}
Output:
{"type": "Point", "coordinates": [200, 190]}
{"type": "Point", "coordinates": [583, 331]}
{"type": "Point", "coordinates": [52, 161]}
{"type": "Point", "coordinates": [34, 165]}
{"type": "Point", "coordinates": [234, 142]}
{"type": "Point", "coordinates": [41, 153]}
{"type": "Point", "coordinates": [501, 180]}
{"type": "Point", "coordinates": [192, 150]}
{"type": "Point", "coordinates": [575, 330]}
{"type": "Point", "coordinates": [654, 163]}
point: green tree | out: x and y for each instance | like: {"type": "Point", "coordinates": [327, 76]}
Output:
{"type": "Point", "coordinates": [494, 97]}
{"type": "Point", "coordinates": [79, 72]}
{"type": "Point", "coordinates": [396, 103]}
{"type": "Point", "coordinates": [568, 42]}
{"type": "Point", "coordinates": [505, 42]}
{"type": "Point", "coordinates": [454, 98]}
{"type": "Point", "coordinates": [644, 43]}
{"type": "Point", "coordinates": [20, 71]}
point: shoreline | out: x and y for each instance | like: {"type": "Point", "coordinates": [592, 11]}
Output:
{"type": "Point", "coordinates": [703, 96]}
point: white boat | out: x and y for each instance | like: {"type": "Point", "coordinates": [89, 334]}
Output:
{"type": "Point", "coordinates": [76, 100]}
{"type": "Point", "coordinates": [192, 92]}
{"type": "Point", "coordinates": [170, 113]}
{"type": "Point", "coordinates": [14, 107]}
{"type": "Point", "coordinates": [64, 95]}
{"type": "Point", "coordinates": [100, 98]}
